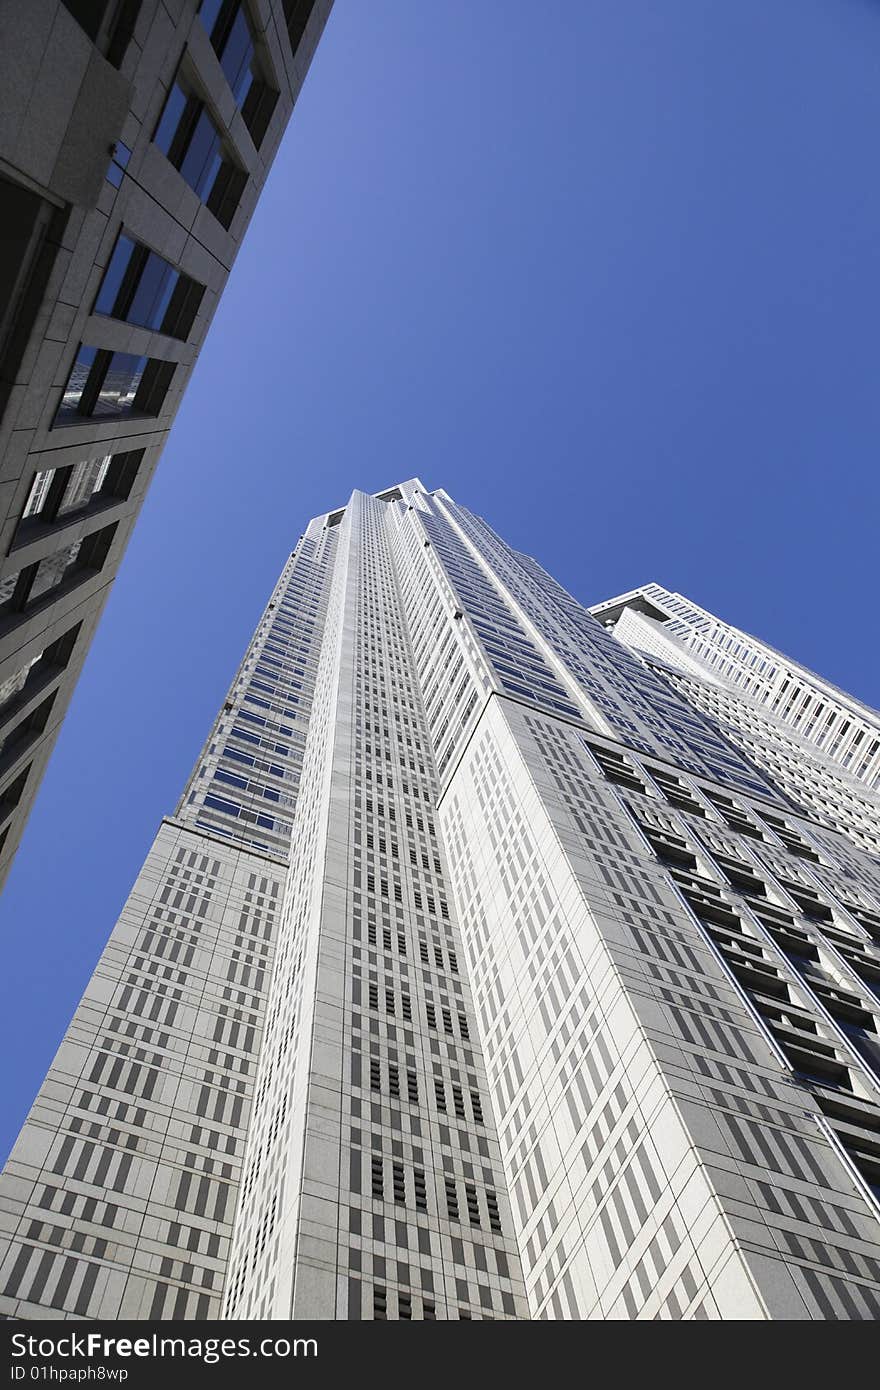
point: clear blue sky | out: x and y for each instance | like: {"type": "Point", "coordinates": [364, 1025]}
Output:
{"type": "Point", "coordinates": [607, 270]}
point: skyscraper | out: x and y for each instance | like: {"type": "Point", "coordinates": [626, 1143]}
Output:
{"type": "Point", "coordinates": [136, 136]}
{"type": "Point", "coordinates": [655, 620]}
{"type": "Point", "coordinates": [481, 972]}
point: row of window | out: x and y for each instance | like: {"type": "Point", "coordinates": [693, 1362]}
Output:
{"type": "Point", "coordinates": [412, 1089]}
{"type": "Point", "coordinates": [142, 287]}
{"type": "Point", "coordinates": [187, 133]}
{"type": "Point", "coordinates": [620, 770]}
{"type": "Point", "coordinates": [232, 39]}
{"type": "Point", "coordinates": [812, 1052]}
{"type": "Point", "coordinates": [399, 1194]}
{"type": "Point", "coordinates": [190, 140]}
{"type": "Point", "coordinates": [810, 1048]}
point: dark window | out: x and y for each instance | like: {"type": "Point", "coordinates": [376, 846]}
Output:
{"type": "Point", "coordinates": [89, 14]}
{"type": "Point", "coordinates": [257, 109]}
{"type": "Point", "coordinates": [676, 792]}
{"type": "Point", "coordinates": [668, 847]}
{"type": "Point", "coordinates": [20, 736]}
{"type": "Point", "coordinates": [187, 135]}
{"type": "Point", "coordinates": [113, 38]}
{"type": "Point", "coordinates": [790, 837]}
{"type": "Point", "coordinates": [227, 24]}
{"type": "Point", "coordinates": [856, 1125]}
{"type": "Point", "coordinates": [11, 795]}
{"type": "Point", "coordinates": [616, 767]}
{"type": "Point", "coordinates": [122, 30]}
{"type": "Point", "coordinates": [232, 40]}
{"type": "Point", "coordinates": [734, 815]}
{"type": "Point", "coordinates": [296, 15]}
{"type": "Point", "coordinates": [32, 230]}
{"type": "Point", "coordinates": [113, 384]}
{"type": "Point", "coordinates": [141, 287]}
{"type": "Point", "coordinates": [226, 192]}
{"type": "Point", "coordinates": [19, 687]}
{"type": "Point", "coordinates": [21, 590]}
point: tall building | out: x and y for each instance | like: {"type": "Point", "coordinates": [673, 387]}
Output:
{"type": "Point", "coordinates": [135, 138]}
{"type": "Point", "coordinates": [487, 968]}
{"type": "Point", "coordinates": [653, 619]}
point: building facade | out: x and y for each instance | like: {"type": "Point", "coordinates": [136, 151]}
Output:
{"type": "Point", "coordinates": [135, 138]}
{"type": "Point", "coordinates": [487, 968]}
{"type": "Point", "coordinates": [845, 730]}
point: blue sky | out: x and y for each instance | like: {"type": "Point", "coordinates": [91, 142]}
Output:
{"type": "Point", "coordinates": [607, 270]}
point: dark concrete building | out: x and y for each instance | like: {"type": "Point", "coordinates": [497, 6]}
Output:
{"type": "Point", "coordinates": [135, 137]}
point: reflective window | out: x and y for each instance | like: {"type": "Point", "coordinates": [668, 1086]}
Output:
{"type": "Point", "coordinates": [114, 275]}
{"type": "Point", "coordinates": [13, 684]}
{"type": "Point", "coordinates": [64, 491]}
{"type": "Point", "coordinates": [232, 39]}
{"type": "Point", "coordinates": [187, 135]}
{"type": "Point", "coordinates": [113, 384]}
{"type": "Point", "coordinates": [20, 590]}
{"type": "Point", "coordinates": [118, 163]}
{"type": "Point", "coordinates": [227, 24]}
{"type": "Point", "coordinates": [85, 480]}
{"type": "Point", "coordinates": [38, 670]}
{"type": "Point", "coordinates": [51, 571]}
{"type": "Point", "coordinates": [171, 120]}
{"type": "Point", "coordinates": [141, 287]}
{"type": "Point", "coordinates": [59, 493]}
{"type": "Point", "coordinates": [201, 163]}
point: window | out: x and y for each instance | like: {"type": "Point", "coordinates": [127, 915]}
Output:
{"type": "Point", "coordinates": [669, 847]}
{"type": "Point", "coordinates": [32, 233]}
{"type": "Point", "coordinates": [119, 158]}
{"type": "Point", "coordinates": [14, 740]}
{"type": "Point", "coordinates": [615, 766]}
{"type": "Point", "coordinates": [11, 795]}
{"type": "Point", "coordinates": [296, 15]}
{"type": "Point", "coordinates": [19, 687]}
{"type": "Point", "coordinates": [87, 13]}
{"type": "Point", "coordinates": [19, 591]}
{"type": "Point", "coordinates": [113, 37]}
{"type": "Point", "coordinates": [112, 385]}
{"type": "Point", "coordinates": [733, 815]}
{"type": "Point", "coordinates": [187, 135]}
{"type": "Point", "coordinates": [59, 493]}
{"type": "Point", "coordinates": [790, 837]}
{"type": "Point", "coordinates": [676, 792]}
{"type": "Point", "coordinates": [232, 40]}
{"type": "Point", "coordinates": [64, 491]}
{"type": "Point", "coordinates": [141, 287]}
{"type": "Point", "coordinates": [14, 684]}
{"type": "Point", "coordinates": [856, 1127]}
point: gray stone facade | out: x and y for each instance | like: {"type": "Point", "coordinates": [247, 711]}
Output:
{"type": "Point", "coordinates": [84, 87]}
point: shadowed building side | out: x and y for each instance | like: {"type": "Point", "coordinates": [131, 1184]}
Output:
{"type": "Point", "coordinates": [135, 138]}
